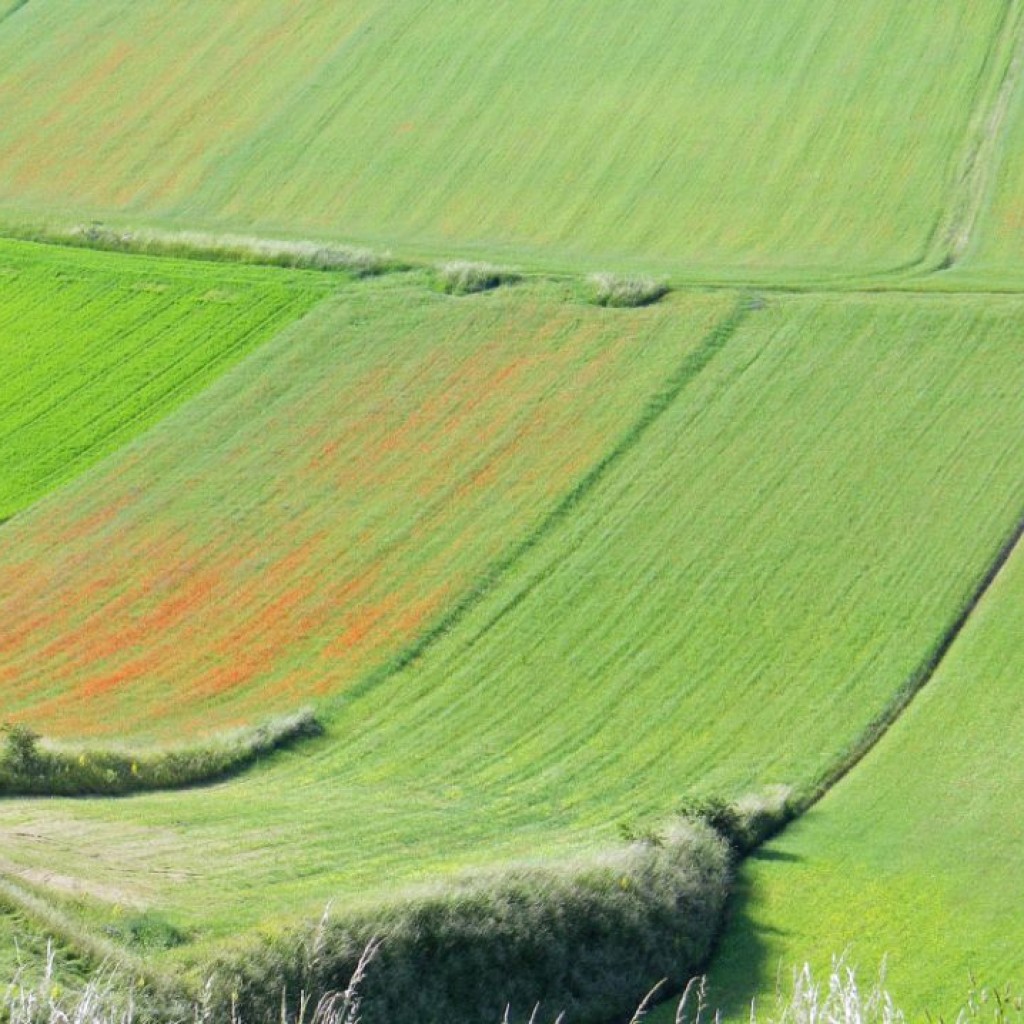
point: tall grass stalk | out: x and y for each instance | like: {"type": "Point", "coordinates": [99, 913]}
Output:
{"type": "Point", "coordinates": [106, 998]}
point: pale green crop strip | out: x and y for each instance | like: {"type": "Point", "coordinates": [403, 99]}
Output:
{"type": "Point", "coordinates": [703, 138]}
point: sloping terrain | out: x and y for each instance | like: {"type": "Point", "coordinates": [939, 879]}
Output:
{"type": "Point", "coordinates": [915, 856]}
{"type": "Point", "coordinates": [543, 568]}
{"type": "Point", "coordinates": [787, 524]}
{"type": "Point", "coordinates": [995, 259]}
{"type": "Point", "coordinates": [320, 508]}
{"type": "Point", "coordinates": [731, 138]}
{"type": "Point", "coordinates": [97, 347]}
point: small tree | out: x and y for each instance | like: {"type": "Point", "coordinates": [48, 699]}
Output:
{"type": "Point", "coordinates": [21, 749]}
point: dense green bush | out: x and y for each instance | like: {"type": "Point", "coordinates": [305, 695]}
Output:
{"type": "Point", "coordinates": [745, 823]}
{"type": "Point", "coordinates": [590, 940]}
{"type": "Point", "coordinates": [28, 766]}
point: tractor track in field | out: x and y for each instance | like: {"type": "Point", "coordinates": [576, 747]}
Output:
{"type": "Point", "coordinates": [922, 675]}
{"type": "Point", "coordinates": [14, 10]}
{"type": "Point", "coordinates": [974, 179]}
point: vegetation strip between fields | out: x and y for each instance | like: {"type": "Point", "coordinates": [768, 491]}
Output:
{"type": "Point", "coordinates": [918, 679]}
{"type": "Point", "coordinates": [29, 769]}
{"type": "Point", "coordinates": [687, 371]}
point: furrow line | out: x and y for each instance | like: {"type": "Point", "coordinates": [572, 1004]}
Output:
{"type": "Point", "coordinates": [920, 677]}
{"type": "Point", "coordinates": [981, 159]}
{"type": "Point", "coordinates": [694, 363]}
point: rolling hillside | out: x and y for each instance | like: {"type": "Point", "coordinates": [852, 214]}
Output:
{"type": "Point", "coordinates": [915, 857]}
{"type": "Point", "coordinates": [739, 138]}
{"type": "Point", "coordinates": [791, 557]}
{"type": "Point", "coordinates": [545, 570]}
{"type": "Point", "coordinates": [320, 508]}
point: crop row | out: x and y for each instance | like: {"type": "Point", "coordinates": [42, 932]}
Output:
{"type": "Point", "coordinates": [744, 137]}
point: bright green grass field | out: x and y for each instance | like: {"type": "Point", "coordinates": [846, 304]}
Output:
{"type": "Point", "coordinates": [96, 347]}
{"type": "Point", "coordinates": [916, 855]}
{"type": "Point", "coordinates": [794, 528]}
{"type": "Point", "coordinates": [741, 137]}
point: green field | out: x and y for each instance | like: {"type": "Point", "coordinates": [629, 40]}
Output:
{"type": "Point", "coordinates": [916, 855]}
{"type": "Point", "coordinates": [319, 508]}
{"type": "Point", "coordinates": [545, 570]}
{"type": "Point", "coordinates": [994, 258]}
{"type": "Point", "coordinates": [773, 590]}
{"type": "Point", "coordinates": [737, 138]}
{"type": "Point", "coordinates": [96, 347]}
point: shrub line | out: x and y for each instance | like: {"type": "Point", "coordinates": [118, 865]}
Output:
{"type": "Point", "coordinates": [587, 938]}
{"type": "Point", "coordinates": [29, 767]}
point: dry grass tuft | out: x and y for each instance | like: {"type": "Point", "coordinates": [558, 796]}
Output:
{"type": "Point", "coordinates": [623, 290]}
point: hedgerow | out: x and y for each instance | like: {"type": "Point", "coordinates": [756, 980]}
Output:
{"type": "Point", "coordinates": [589, 940]}
{"type": "Point", "coordinates": [31, 767]}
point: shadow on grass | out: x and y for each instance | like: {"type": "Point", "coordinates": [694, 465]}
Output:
{"type": "Point", "coordinates": [742, 963]}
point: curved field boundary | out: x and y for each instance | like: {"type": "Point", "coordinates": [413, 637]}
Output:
{"type": "Point", "coordinates": [915, 856]}
{"type": "Point", "coordinates": [31, 768]}
{"type": "Point", "coordinates": [918, 679]}
{"type": "Point", "coordinates": [986, 135]}
{"type": "Point", "coordinates": [696, 136]}
{"type": "Point", "coordinates": [747, 567]}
